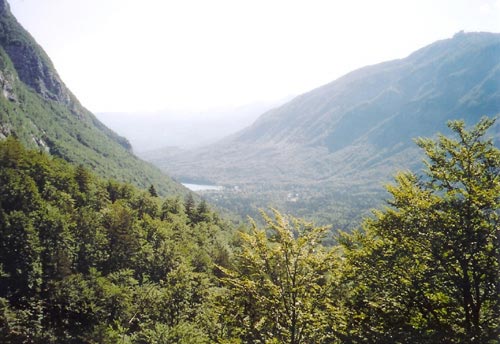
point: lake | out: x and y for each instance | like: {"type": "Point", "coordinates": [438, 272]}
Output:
{"type": "Point", "coordinates": [202, 187]}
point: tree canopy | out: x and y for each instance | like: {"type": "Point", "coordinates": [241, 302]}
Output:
{"type": "Point", "coordinates": [426, 269]}
{"type": "Point", "coordinates": [88, 260]}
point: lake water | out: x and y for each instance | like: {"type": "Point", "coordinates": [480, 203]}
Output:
{"type": "Point", "coordinates": [202, 187]}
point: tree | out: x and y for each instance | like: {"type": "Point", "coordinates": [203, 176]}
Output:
{"type": "Point", "coordinates": [152, 191]}
{"type": "Point", "coordinates": [83, 178]}
{"type": "Point", "coordinates": [202, 213]}
{"type": "Point", "coordinates": [123, 239]}
{"type": "Point", "coordinates": [279, 287]}
{"type": "Point", "coordinates": [20, 256]}
{"type": "Point", "coordinates": [435, 251]}
{"type": "Point", "coordinates": [171, 206]}
{"type": "Point", "coordinates": [190, 207]}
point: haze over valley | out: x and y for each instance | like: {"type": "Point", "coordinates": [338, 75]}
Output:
{"type": "Point", "coordinates": [148, 131]}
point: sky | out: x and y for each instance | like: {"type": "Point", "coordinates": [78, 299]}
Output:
{"type": "Point", "coordinates": [150, 55]}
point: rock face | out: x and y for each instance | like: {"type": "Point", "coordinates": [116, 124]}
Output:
{"type": "Point", "coordinates": [32, 64]}
{"type": "Point", "coordinates": [41, 112]}
{"type": "Point", "coordinates": [35, 72]}
{"type": "Point", "coordinates": [6, 85]}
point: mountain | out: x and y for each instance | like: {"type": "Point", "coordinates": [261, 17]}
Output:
{"type": "Point", "coordinates": [38, 108]}
{"type": "Point", "coordinates": [345, 139]}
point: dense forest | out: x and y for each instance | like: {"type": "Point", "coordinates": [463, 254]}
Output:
{"type": "Point", "coordinates": [89, 260]}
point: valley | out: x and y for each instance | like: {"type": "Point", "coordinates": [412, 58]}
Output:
{"type": "Point", "coordinates": [338, 145]}
{"type": "Point", "coordinates": [365, 210]}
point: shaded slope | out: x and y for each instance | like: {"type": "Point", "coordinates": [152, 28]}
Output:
{"type": "Point", "coordinates": [379, 109]}
{"type": "Point", "coordinates": [37, 107]}
{"type": "Point", "coordinates": [440, 81]}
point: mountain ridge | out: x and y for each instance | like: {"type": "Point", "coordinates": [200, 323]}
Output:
{"type": "Point", "coordinates": [351, 135]}
{"type": "Point", "coordinates": [375, 90]}
{"type": "Point", "coordinates": [38, 108]}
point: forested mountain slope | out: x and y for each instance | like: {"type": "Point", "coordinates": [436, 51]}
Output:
{"type": "Point", "coordinates": [38, 108]}
{"type": "Point", "coordinates": [350, 135]}
{"type": "Point", "coordinates": [89, 260]}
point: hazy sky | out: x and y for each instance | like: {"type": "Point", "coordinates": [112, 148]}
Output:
{"type": "Point", "coordinates": [139, 55]}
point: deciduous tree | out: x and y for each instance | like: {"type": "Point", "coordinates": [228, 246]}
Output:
{"type": "Point", "coordinates": [434, 251]}
{"type": "Point", "coordinates": [279, 288]}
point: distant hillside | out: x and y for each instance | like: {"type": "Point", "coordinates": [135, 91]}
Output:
{"type": "Point", "coordinates": [348, 137]}
{"type": "Point", "coordinates": [37, 107]}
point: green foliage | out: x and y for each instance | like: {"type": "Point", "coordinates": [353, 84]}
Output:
{"type": "Point", "coordinates": [89, 260]}
{"type": "Point", "coordinates": [427, 269]}
{"type": "Point", "coordinates": [86, 260]}
{"type": "Point", "coordinates": [280, 286]}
